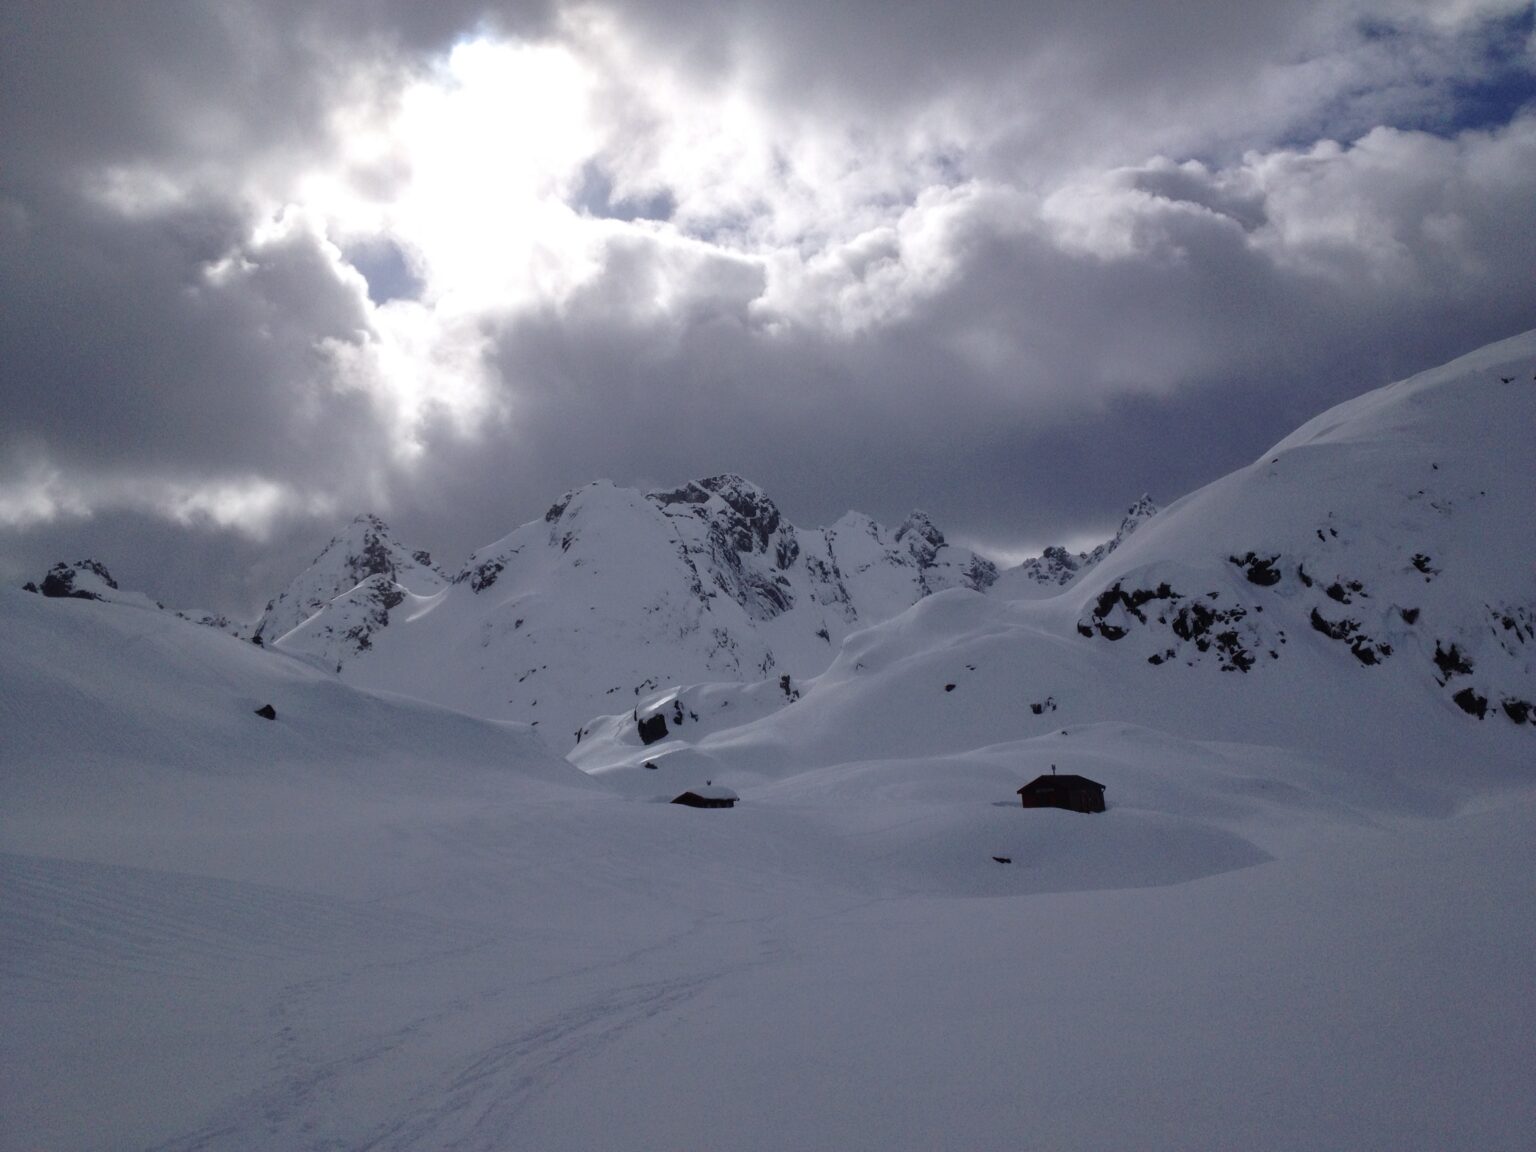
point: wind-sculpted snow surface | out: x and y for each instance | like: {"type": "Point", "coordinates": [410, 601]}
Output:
{"type": "Point", "coordinates": [612, 595]}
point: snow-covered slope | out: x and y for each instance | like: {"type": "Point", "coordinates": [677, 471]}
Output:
{"type": "Point", "coordinates": [1304, 920]}
{"type": "Point", "coordinates": [117, 719]}
{"type": "Point", "coordinates": [90, 580]}
{"type": "Point", "coordinates": [1362, 595]}
{"type": "Point", "coordinates": [612, 595]}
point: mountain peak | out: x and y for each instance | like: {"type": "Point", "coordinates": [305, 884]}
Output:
{"type": "Point", "coordinates": [751, 519]}
{"type": "Point", "coordinates": [82, 580]}
{"type": "Point", "coordinates": [921, 536]}
{"type": "Point", "coordinates": [365, 548]}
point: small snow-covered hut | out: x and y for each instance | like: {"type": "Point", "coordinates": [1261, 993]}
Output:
{"type": "Point", "coordinates": [712, 795]}
{"type": "Point", "coordinates": [1074, 793]}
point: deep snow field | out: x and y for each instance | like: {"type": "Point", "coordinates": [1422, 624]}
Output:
{"type": "Point", "coordinates": [1307, 920]}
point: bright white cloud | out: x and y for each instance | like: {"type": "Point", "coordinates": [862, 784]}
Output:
{"type": "Point", "coordinates": [248, 505]}
{"type": "Point", "coordinates": [498, 171]}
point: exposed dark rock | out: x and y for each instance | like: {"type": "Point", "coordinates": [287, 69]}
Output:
{"type": "Point", "coordinates": [949, 687]}
{"type": "Point", "coordinates": [755, 520]}
{"type": "Point", "coordinates": [1115, 596]}
{"type": "Point", "coordinates": [922, 537]}
{"type": "Point", "coordinates": [29, 587]}
{"type": "Point", "coordinates": [1003, 859]}
{"type": "Point", "coordinates": [1364, 649]}
{"type": "Point", "coordinates": [1471, 703]}
{"type": "Point", "coordinates": [1517, 627]}
{"type": "Point", "coordinates": [485, 575]}
{"type": "Point", "coordinates": [60, 580]}
{"type": "Point", "coordinates": [267, 712]}
{"type": "Point", "coordinates": [981, 574]}
{"type": "Point", "coordinates": [557, 509]}
{"type": "Point", "coordinates": [1409, 615]}
{"type": "Point", "coordinates": [376, 596]}
{"type": "Point", "coordinates": [1517, 710]}
{"type": "Point", "coordinates": [653, 728]}
{"type": "Point", "coordinates": [1451, 662]}
{"type": "Point", "coordinates": [1343, 591]}
{"type": "Point", "coordinates": [1260, 570]}
{"type": "Point", "coordinates": [1237, 658]}
{"type": "Point", "coordinates": [1193, 621]}
{"type": "Point", "coordinates": [1422, 563]}
{"type": "Point", "coordinates": [1333, 629]}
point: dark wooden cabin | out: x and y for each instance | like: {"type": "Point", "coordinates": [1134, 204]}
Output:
{"type": "Point", "coordinates": [712, 795]}
{"type": "Point", "coordinates": [1074, 793]}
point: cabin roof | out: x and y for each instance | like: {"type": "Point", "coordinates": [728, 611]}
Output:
{"type": "Point", "coordinates": [1040, 783]}
{"type": "Point", "coordinates": [712, 792]}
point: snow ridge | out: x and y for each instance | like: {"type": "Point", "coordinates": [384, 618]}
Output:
{"type": "Point", "coordinates": [612, 592]}
{"type": "Point", "coordinates": [365, 548]}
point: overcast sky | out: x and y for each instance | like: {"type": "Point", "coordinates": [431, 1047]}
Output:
{"type": "Point", "coordinates": [267, 265]}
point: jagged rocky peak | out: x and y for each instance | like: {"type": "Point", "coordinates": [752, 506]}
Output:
{"type": "Point", "coordinates": [1135, 516]}
{"type": "Point", "coordinates": [748, 516]}
{"type": "Point", "coordinates": [82, 580]}
{"type": "Point", "coordinates": [922, 537]}
{"type": "Point", "coordinates": [88, 580]}
{"type": "Point", "coordinates": [1056, 567]}
{"type": "Point", "coordinates": [363, 549]}
{"type": "Point", "coordinates": [370, 550]}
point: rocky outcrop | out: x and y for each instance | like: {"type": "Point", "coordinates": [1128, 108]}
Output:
{"type": "Point", "coordinates": [82, 580]}
{"type": "Point", "coordinates": [1056, 567]}
{"type": "Point", "coordinates": [363, 550]}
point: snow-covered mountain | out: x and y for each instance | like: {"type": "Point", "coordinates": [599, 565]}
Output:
{"type": "Point", "coordinates": [611, 595]}
{"type": "Point", "coordinates": [354, 920]}
{"type": "Point", "coordinates": [1366, 585]}
{"type": "Point", "coordinates": [365, 551]}
{"type": "Point", "coordinates": [90, 580]}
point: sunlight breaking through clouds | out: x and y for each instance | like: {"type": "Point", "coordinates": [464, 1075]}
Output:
{"type": "Point", "coordinates": [475, 172]}
{"type": "Point", "coordinates": [416, 257]}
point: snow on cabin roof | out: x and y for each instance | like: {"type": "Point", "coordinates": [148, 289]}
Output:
{"type": "Point", "coordinates": [714, 791]}
{"type": "Point", "coordinates": [1060, 778]}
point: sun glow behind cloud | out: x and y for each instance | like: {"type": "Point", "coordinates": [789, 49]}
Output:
{"type": "Point", "coordinates": [515, 215]}
{"type": "Point", "coordinates": [481, 171]}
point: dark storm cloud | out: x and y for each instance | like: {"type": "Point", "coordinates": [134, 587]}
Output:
{"type": "Point", "coordinates": [121, 352]}
{"type": "Point", "coordinates": [1079, 252]}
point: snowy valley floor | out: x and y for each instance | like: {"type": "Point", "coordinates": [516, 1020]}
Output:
{"type": "Point", "coordinates": [591, 973]}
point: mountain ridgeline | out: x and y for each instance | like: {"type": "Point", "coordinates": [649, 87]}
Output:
{"type": "Point", "coordinates": [1383, 550]}
{"type": "Point", "coordinates": [611, 595]}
